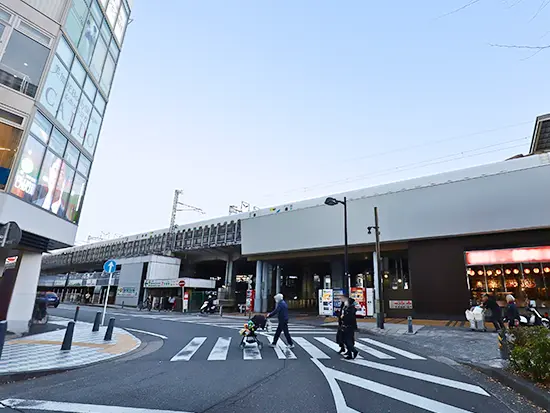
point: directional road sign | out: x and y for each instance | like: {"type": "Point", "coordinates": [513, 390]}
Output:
{"type": "Point", "coordinates": [109, 266]}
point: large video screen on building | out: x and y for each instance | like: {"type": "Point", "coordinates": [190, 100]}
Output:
{"type": "Point", "coordinates": [52, 172]}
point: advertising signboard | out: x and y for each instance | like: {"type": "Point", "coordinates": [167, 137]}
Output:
{"type": "Point", "coordinates": [337, 300]}
{"type": "Point", "coordinates": [358, 294]}
{"type": "Point", "coordinates": [325, 302]}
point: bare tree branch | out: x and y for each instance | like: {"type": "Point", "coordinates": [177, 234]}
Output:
{"type": "Point", "coordinates": [541, 8]}
{"type": "Point", "coordinates": [532, 55]}
{"type": "Point", "coordinates": [471, 3]}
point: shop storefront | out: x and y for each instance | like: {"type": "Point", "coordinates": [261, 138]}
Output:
{"type": "Point", "coordinates": [189, 293]}
{"type": "Point", "coordinates": [522, 272]}
{"type": "Point", "coordinates": [76, 286]}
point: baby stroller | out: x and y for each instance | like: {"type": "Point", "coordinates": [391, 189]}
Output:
{"type": "Point", "coordinates": [248, 332]}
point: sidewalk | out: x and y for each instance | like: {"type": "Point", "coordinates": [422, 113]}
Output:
{"type": "Point", "coordinates": [42, 352]}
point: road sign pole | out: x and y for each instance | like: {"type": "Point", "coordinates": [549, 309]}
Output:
{"type": "Point", "coordinates": [106, 299]}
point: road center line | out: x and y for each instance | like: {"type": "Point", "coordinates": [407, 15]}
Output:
{"type": "Point", "coordinates": [147, 332]}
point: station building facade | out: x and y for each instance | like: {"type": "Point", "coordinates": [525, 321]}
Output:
{"type": "Point", "coordinates": [57, 63]}
{"type": "Point", "coordinates": [445, 240]}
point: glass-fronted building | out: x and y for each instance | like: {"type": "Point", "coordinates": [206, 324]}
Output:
{"type": "Point", "coordinates": [58, 59]}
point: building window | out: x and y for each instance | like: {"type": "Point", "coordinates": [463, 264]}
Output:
{"type": "Point", "coordinates": [112, 11]}
{"type": "Point", "coordinates": [47, 173]}
{"type": "Point", "coordinates": [96, 67]}
{"type": "Point", "coordinates": [62, 97]}
{"type": "Point", "coordinates": [76, 20]}
{"type": "Point", "coordinates": [75, 200]}
{"type": "Point", "coordinates": [9, 142]}
{"type": "Point", "coordinates": [97, 35]}
{"type": "Point", "coordinates": [108, 73]}
{"type": "Point", "coordinates": [23, 63]}
{"type": "Point", "coordinates": [88, 39]}
{"type": "Point", "coordinates": [120, 26]}
{"type": "Point", "coordinates": [27, 172]}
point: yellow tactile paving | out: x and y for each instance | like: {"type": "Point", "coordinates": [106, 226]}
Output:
{"type": "Point", "coordinates": [122, 343]}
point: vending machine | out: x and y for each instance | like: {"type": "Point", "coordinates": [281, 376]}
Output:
{"type": "Point", "coordinates": [337, 294]}
{"type": "Point", "coordinates": [250, 295]}
{"type": "Point", "coordinates": [325, 302]}
{"type": "Point", "coordinates": [358, 294]}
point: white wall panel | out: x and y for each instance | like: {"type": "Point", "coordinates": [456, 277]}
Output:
{"type": "Point", "coordinates": [163, 270]}
{"type": "Point", "coordinates": [33, 219]}
{"type": "Point", "coordinates": [51, 8]}
{"type": "Point", "coordinates": [518, 199]}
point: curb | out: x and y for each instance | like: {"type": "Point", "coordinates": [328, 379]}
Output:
{"type": "Point", "coordinates": [521, 386]}
{"type": "Point", "coordinates": [25, 375]}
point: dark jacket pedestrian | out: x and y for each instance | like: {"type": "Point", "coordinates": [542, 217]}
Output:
{"type": "Point", "coordinates": [281, 311]}
{"type": "Point", "coordinates": [349, 325]}
{"type": "Point", "coordinates": [512, 312]}
{"type": "Point", "coordinates": [490, 303]}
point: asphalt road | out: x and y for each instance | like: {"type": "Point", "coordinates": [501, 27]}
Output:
{"type": "Point", "coordinates": [199, 367]}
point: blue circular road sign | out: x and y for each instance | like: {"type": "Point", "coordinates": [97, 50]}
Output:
{"type": "Point", "coordinates": [109, 266]}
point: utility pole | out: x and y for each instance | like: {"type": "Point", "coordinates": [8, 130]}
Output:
{"type": "Point", "coordinates": [175, 209]}
{"type": "Point", "coordinates": [379, 282]}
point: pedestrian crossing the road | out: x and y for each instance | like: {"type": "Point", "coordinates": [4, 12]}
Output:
{"type": "Point", "coordinates": [310, 347]}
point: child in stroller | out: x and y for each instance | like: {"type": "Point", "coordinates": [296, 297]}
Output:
{"type": "Point", "coordinates": [248, 332]}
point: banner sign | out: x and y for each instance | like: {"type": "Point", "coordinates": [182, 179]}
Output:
{"type": "Point", "coordinates": [401, 304]}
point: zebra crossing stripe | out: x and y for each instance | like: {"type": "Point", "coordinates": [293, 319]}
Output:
{"type": "Point", "coordinates": [373, 352]}
{"type": "Point", "coordinates": [423, 376]}
{"type": "Point", "coordinates": [310, 348]}
{"type": "Point", "coordinates": [330, 344]}
{"type": "Point", "coordinates": [219, 352]}
{"type": "Point", "coordinates": [395, 350]}
{"type": "Point", "coordinates": [252, 352]}
{"type": "Point", "coordinates": [282, 351]}
{"type": "Point", "coordinates": [189, 350]}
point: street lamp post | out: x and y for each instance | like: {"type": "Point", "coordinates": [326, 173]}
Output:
{"type": "Point", "coordinates": [332, 202]}
{"type": "Point", "coordinates": [379, 299]}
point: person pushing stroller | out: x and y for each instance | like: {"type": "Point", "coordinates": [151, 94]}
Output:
{"type": "Point", "coordinates": [281, 311]}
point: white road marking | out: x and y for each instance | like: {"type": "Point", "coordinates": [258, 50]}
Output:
{"type": "Point", "coordinates": [331, 344]}
{"type": "Point", "coordinates": [337, 395]}
{"type": "Point", "coordinates": [252, 352]}
{"type": "Point", "coordinates": [282, 351]}
{"type": "Point", "coordinates": [310, 348]}
{"type": "Point", "coordinates": [219, 352]}
{"type": "Point", "coordinates": [75, 407]}
{"type": "Point", "coordinates": [423, 376]}
{"type": "Point", "coordinates": [191, 348]}
{"type": "Point", "coordinates": [395, 350]}
{"type": "Point", "coordinates": [124, 319]}
{"type": "Point", "coordinates": [147, 332]}
{"type": "Point", "coordinates": [393, 393]}
{"type": "Point", "coordinates": [310, 332]}
{"type": "Point", "coordinates": [374, 352]}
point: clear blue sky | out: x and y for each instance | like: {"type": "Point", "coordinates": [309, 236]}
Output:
{"type": "Point", "coordinates": [254, 100]}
